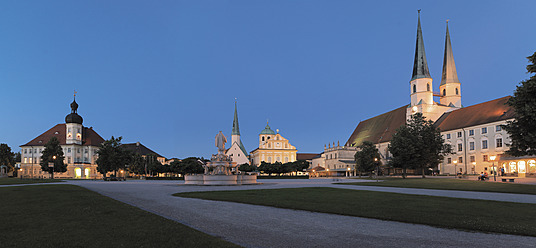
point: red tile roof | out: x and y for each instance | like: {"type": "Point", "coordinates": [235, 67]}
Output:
{"type": "Point", "coordinates": [378, 129]}
{"type": "Point", "coordinates": [486, 112]}
{"type": "Point", "coordinates": [89, 137]}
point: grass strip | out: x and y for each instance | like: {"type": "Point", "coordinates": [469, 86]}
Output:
{"type": "Point", "coordinates": [9, 181]}
{"type": "Point", "coordinates": [71, 216]}
{"type": "Point", "coordinates": [453, 184]}
{"type": "Point", "coordinates": [445, 212]}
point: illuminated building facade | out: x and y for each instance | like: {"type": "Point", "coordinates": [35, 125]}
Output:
{"type": "Point", "coordinates": [273, 148]}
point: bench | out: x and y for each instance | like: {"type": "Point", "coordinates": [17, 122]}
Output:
{"type": "Point", "coordinates": [509, 179]}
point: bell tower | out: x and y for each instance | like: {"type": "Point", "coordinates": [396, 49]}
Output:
{"type": "Point", "coordinates": [449, 88]}
{"type": "Point", "coordinates": [73, 124]}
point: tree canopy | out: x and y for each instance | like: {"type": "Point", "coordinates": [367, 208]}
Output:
{"type": "Point", "coordinates": [418, 144]}
{"type": "Point", "coordinates": [367, 157]}
{"type": "Point", "coordinates": [53, 153]}
{"type": "Point", "coordinates": [191, 165]}
{"type": "Point", "coordinates": [7, 157]}
{"type": "Point", "coordinates": [112, 157]}
{"type": "Point", "coordinates": [522, 129]}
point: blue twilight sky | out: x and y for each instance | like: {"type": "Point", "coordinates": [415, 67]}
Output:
{"type": "Point", "coordinates": [166, 73]}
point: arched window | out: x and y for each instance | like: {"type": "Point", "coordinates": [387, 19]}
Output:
{"type": "Point", "coordinates": [414, 88]}
{"type": "Point", "coordinates": [457, 91]}
{"type": "Point", "coordinates": [444, 92]}
{"type": "Point", "coordinates": [427, 87]}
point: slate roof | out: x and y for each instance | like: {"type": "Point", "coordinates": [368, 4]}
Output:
{"type": "Point", "coordinates": [89, 136]}
{"type": "Point", "coordinates": [141, 149]}
{"type": "Point", "coordinates": [378, 129]}
{"type": "Point", "coordinates": [478, 114]}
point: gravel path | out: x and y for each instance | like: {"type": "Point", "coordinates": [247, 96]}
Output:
{"type": "Point", "coordinates": [260, 226]}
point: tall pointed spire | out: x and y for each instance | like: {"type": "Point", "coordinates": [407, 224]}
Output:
{"type": "Point", "coordinates": [236, 130]}
{"type": "Point", "coordinates": [420, 66]}
{"type": "Point", "coordinates": [449, 68]}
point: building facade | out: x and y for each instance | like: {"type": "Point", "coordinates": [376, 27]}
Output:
{"type": "Point", "coordinates": [273, 148]}
{"type": "Point", "coordinates": [79, 144]}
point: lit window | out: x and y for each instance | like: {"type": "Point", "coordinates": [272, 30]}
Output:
{"type": "Point", "coordinates": [499, 142]}
{"type": "Point", "coordinates": [484, 130]}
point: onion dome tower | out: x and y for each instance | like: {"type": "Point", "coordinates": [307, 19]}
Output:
{"type": "Point", "coordinates": [73, 124]}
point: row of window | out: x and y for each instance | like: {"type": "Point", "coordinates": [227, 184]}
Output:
{"type": "Point", "coordinates": [483, 130]}
{"type": "Point", "coordinates": [498, 144]}
{"type": "Point", "coordinates": [68, 160]}
{"type": "Point", "coordinates": [472, 159]}
{"type": "Point", "coordinates": [65, 150]}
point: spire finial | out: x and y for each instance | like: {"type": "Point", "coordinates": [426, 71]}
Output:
{"type": "Point", "coordinates": [419, 11]}
{"type": "Point", "coordinates": [448, 21]}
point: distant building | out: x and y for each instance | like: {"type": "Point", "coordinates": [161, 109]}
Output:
{"type": "Point", "coordinates": [237, 152]}
{"type": "Point", "coordinates": [272, 148]}
{"type": "Point", "coordinates": [140, 149]}
{"type": "Point", "coordinates": [79, 144]}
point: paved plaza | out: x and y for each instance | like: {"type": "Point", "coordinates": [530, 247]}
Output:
{"type": "Point", "coordinates": [261, 226]}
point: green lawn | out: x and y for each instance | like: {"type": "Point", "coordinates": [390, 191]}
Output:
{"type": "Point", "coordinates": [6, 181]}
{"type": "Point", "coordinates": [453, 184]}
{"type": "Point", "coordinates": [465, 214]}
{"type": "Point", "coordinates": [71, 216]}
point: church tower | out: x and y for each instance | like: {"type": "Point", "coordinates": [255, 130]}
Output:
{"type": "Point", "coordinates": [73, 124]}
{"type": "Point", "coordinates": [450, 85]}
{"type": "Point", "coordinates": [422, 96]}
{"type": "Point", "coordinates": [235, 135]}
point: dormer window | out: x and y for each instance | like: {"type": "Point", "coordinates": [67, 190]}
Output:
{"type": "Point", "coordinates": [57, 132]}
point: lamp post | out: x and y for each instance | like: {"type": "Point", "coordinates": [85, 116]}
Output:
{"type": "Point", "coordinates": [474, 165]}
{"type": "Point", "coordinates": [376, 164]}
{"type": "Point", "coordinates": [327, 173]}
{"type": "Point", "coordinates": [455, 171]}
{"type": "Point", "coordinates": [348, 169]}
{"type": "Point", "coordinates": [493, 167]}
{"type": "Point", "coordinates": [51, 166]}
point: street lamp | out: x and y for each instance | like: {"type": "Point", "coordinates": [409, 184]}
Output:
{"type": "Point", "coordinates": [474, 165]}
{"type": "Point", "coordinates": [327, 174]}
{"type": "Point", "coordinates": [455, 169]}
{"type": "Point", "coordinates": [376, 164]}
{"type": "Point", "coordinates": [492, 157]}
{"type": "Point", "coordinates": [51, 166]}
{"type": "Point", "coordinates": [348, 171]}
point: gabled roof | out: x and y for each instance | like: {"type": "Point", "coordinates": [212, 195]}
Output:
{"type": "Point", "coordinates": [140, 149]}
{"type": "Point", "coordinates": [306, 156]}
{"type": "Point", "coordinates": [378, 129]}
{"type": "Point", "coordinates": [89, 136]}
{"type": "Point", "coordinates": [486, 112]}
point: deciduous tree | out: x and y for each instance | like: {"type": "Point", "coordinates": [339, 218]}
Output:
{"type": "Point", "coordinates": [7, 157]}
{"type": "Point", "coordinates": [367, 158]}
{"type": "Point", "coordinates": [522, 129]}
{"type": "Point", "coordinates": [53, 153]}
{"type": "Point", "coordinates": [112, 157]}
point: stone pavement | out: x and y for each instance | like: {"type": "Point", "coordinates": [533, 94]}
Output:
{"type": "Point", "coordinates": [260, 226]}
